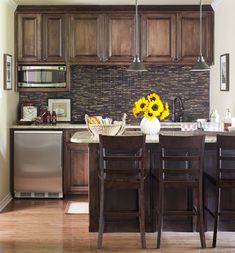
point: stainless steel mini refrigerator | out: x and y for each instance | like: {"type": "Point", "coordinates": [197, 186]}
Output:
{"type": "Point", "coordinates": [38, 164]}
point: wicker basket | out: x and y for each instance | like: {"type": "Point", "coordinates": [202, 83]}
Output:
{"type": "Point", "coordinates": [117, 128]}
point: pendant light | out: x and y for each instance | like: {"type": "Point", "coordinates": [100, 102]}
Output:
{"type": "Point", "coordinates": [200, 64]}
{"type": "Point", "coordinates": [136, 65]}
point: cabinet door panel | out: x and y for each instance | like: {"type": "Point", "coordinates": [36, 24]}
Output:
{"type": "Point", "coordinates": [119, 38]}
{"type": "Point", "coordinates": [79, 174]}
{"type": "Point", "coordinates": [158, 37]}
{"type": "Point", "coordinates": [29, 37]}
{"type": "Point", "coordinates": [54, 38]}
{"type": "Point", "coordinates": [76, 168]}
{"type": "Point", "coordinates": [189, 37]}
{"type": "Point", "coordinates": [85, 38]}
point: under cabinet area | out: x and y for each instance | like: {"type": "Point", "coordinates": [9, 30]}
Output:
{"type": "Point", "coordinates": [41, 37]}
{"type": "Point", "coordinates": [75, 165]}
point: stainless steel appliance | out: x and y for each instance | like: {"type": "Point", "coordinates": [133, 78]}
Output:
{"type": "Point", "coordinates": [38, 164]}
{"type": "Point", "coordinates": [42, 76]}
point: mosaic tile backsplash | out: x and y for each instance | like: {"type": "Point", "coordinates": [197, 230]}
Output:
{"type": "Point", "coordinates": [112, 91]}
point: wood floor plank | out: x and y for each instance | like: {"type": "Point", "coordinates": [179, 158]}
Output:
{"type": "Point", "coordinates": [41, 226]}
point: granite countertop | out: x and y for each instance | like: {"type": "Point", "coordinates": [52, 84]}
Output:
{"type": "Point", "coordinates": [57, 126]}
{"type": "Point", "coordinates": [84, 126]}
{"type": "Point", "coordinates": [87, 137]}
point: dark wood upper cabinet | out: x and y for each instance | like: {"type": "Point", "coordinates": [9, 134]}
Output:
{"type": "Point", "coordinates": [189, 37]}
{"type": "Point", "coordinates": [106, 35]}
{"type": "Point", "coordinates": [29, 37]}
{"type": "Point", "coordinates": [54, 37]}
{"type": "Point", "coordinates": [175, 38]}
{"type": "Point", "coordinates": [119, 37]}
{"type": "Point", "coordinates": [41, 38]}
{"type": "Point", "coordinates": [158, 37]}
{"type": "Point", "coordinates": [86, 35]}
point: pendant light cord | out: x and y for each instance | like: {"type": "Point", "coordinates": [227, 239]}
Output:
{"type": "Point", "coordinates": [136, 30]}
{"type": "Point", "coordinates": [200, 27]}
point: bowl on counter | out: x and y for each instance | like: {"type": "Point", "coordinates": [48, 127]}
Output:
{"type": "Point", "coordinates": [117, 128]}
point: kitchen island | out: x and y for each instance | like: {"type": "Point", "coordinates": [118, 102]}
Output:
{"type": "Point", "coordinates": [177, 199]}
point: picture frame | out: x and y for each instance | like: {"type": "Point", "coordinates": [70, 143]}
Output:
{"type": "Point", "coordinates": [62, 107]}
{"type": "Point", "coordinates": [224, 72]}
{"type": "Point", "coordinates": [7, 72]}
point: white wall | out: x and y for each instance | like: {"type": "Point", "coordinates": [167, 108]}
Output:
{"type": "Point", "coordinates": [224, 43]}
{"type": "Point", "coordinates": [8, 98]}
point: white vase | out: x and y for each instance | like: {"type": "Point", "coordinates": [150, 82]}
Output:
{"type": "Point", "coordinates": [151, 127]}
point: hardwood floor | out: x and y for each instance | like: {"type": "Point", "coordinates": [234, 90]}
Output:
{"type": "Point", "coordinates": [41, 226]}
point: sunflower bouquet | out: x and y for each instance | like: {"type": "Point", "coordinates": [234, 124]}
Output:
{"type": "Point", "coordinates": [151, 107]}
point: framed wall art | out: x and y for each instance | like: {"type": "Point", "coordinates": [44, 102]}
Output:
{"type": "Point", "coordinates": [224, 72]}
{"type": "Point", "coordinates": [62, 107]}
{"type": "Point", "coordinates": [7, 65]}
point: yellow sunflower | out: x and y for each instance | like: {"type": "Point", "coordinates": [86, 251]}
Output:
{"type": "Point", "coordinates": [165, 113]}
{"type": "Point", "coordinates": [136, 112]}
{"type": "Point", "coordinates": [153, 97]}
{"type": "Point", "coordinates": [151, 106]}
{"type": "Point", "coordinates": [149, 115]}
{"type": "Point", "coordinates": [141, 104]}
{"type": "Point", "coordinates": [156, 107]}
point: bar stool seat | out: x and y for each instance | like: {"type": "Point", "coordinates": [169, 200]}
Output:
{"type": "Point", "coordinates": [224, 179]}
{"type": "Point", "coordinates": [181, 166]}
{"type": "Point", "coordinates": [122, 166]}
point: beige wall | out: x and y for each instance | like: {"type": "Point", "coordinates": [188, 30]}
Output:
{"type": "Point", "coordinates": [8, 98]}
{"type": "Point", "coordinates": [224, 43]}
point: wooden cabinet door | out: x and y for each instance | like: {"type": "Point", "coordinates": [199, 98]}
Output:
{"type": "Point", "coordinates": [29, 33]}
{"type": "Point", "coordinates": [86, 35]}
{"type": "Point", "coordinates": [158, 38]}
{"type": "Point", "coordinates": [119, 34]}
{"type": "Point", "coordinates": [76, 169]}
{"type": "Point", "coordinates": [189, 37]}
{"type": "Point", "coordinates": [54, 37]}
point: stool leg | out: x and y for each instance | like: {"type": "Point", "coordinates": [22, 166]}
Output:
{"type": "Point", "coordinates": [160, 215]}
{"type": "Point", "coordinates": [101, 219]}
{"type": "Point", "coordinates": [200, 217]}
{"type": "Point", "coordinates": [142, 215]}
{"type": "Point", "coordinates": [205, 202]}
{"type": "Point", "coordinates": [216, 221]}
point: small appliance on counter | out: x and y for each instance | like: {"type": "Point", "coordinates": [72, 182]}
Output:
{"type": "Point", "coordinates": [28, 114]}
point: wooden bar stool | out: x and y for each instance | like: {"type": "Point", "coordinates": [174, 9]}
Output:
{"type": "Point", "coordinates": [224, 179]}
{"type": "Point", "coordinates": [181, 166]}
{"type": "Point", "coordinates": [122, 161]}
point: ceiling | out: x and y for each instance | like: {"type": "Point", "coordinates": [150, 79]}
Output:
{"type": "Point", "coordinates": [110, 2]}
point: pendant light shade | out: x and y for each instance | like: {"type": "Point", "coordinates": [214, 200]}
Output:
{"type": "Point", "coordinates": [136, 65]}
{"type": "Point", "coordinates": [200, 64]}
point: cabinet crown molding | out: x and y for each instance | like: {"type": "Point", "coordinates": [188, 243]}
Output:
{"type": "Point", "coordinates": [109, 8]}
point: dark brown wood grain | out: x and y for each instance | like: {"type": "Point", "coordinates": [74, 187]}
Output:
{"type": "Point", "coordinates": [29, 32]}
{"type": "Point", "coordinates": [105, 34]}
{"type": "Point", "coordinates": [75, 165]}
{"type": "Point", "coordinates": [54, 38]}
{"type": "Point", "coordinates": [158, 37]}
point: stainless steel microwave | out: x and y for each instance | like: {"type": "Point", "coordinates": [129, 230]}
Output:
{"type": "Point", "coordinates": [42, 76]}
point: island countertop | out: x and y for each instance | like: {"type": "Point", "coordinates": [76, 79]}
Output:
{"type": "Point", "coordinates": [87, 137]}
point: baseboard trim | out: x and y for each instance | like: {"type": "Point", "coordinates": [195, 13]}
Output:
{"type": "Point", "coordinates": [5, 201]}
